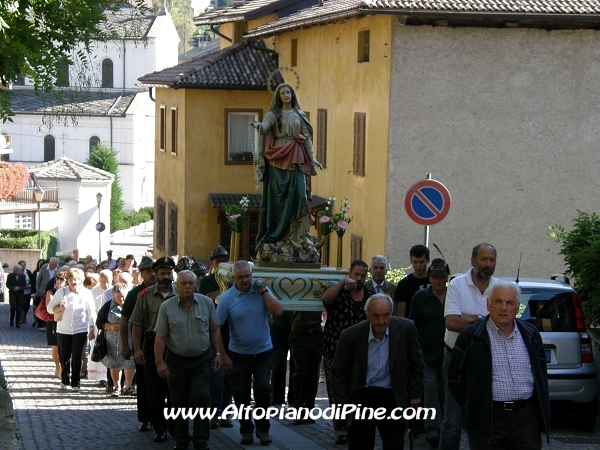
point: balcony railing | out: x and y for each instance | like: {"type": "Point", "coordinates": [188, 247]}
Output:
{"type": "Point", "coordinates": [27, 196]}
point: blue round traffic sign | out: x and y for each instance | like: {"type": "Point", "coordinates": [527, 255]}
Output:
{"type": "Point", "coordinates": [427, 202]}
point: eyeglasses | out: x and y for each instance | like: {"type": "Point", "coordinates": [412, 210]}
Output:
{"type": "Point", "coordinates": [60, 279]}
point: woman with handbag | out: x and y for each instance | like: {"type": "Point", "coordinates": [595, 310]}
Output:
{"type": "Point", "coordinates": [76, 325]}
{"type": "Point", "coordinates": [59, 281]}
{"type": "Point", "coordinates": [108, 320]}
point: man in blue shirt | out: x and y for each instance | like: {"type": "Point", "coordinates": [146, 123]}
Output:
{"type": "Point", "coordinates": [247, 308]}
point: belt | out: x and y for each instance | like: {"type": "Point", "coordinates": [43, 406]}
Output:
{"type": "Point", "coordinates": [150, 334]}
{"type": "Point", "coordinates": [448, 348]}
{"type": "Point", "coordinates": [513, 405]}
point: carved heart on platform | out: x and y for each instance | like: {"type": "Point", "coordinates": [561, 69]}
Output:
{"type": "Point", "coordinates": [292, 287]}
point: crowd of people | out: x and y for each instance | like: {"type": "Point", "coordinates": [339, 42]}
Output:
{"type": "Point", "coordinates": [455, 346]}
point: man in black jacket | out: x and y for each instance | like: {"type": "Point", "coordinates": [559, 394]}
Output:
{"type": "Point", "coordinates": [498, 374]}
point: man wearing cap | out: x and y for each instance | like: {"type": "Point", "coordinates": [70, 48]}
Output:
{"type": "Point", "coordinates": [149, 277]}
{"type": "Point", "coordinates": [378, 283]}
{"type": "Point", "coordinates": [143, 318]}
{"type": "Point", "coordinates": [200, 272]}
{"type": "Point", "coordinates": [208, 284]}
{"type": "Point", "coordinates": [465, 304]}
{"type": "Point", "coordinates": [427, 311]}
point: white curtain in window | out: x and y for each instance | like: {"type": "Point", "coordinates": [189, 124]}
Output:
{"type": "Point", "coordinates": [240, 135]}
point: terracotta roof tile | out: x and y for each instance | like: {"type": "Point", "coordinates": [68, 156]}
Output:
{"type": "Point", "coordinates": [235, 67]}
{"type": "Point", "coordinates": [234, 12]}
{"type": "Point", "coordinates": [340, 9]}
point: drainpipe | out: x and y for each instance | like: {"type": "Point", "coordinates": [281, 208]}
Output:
{"type": "Point", "coordinates": [124, 54]}
{"type": "Point", "coordinates": [212, 28]}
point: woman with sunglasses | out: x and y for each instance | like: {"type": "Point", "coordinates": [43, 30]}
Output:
{"type": "Point", "coordinates": [59, 281]}
{"type": "Point", "coordinates": [75, 327]}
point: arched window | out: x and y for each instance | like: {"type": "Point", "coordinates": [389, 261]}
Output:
{"type": "Point", "coordinates": [107, 73]}
{"type": "Point", "coordinates": [49, 148]}
{"type": "Point", "coordinates": [94, 140]}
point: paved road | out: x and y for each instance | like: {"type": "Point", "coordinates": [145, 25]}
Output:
{"type": "Point", "coordinates": [51, 419]}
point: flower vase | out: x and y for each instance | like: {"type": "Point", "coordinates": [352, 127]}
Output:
{"type": "Point", "coordinates": [234, 249]}
{"type": "Point", "coordinates": [339, 250]}
{"type": "Point", "coordinates": [325, 253]}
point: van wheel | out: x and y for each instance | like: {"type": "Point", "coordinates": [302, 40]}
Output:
{"type": "Point", "coordinates": [585, 414]}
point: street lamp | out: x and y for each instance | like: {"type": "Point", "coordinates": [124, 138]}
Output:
{"type": "Point", "coordinates": [38, 195]}
{"type": "Point", "coordinates": [98, 227]}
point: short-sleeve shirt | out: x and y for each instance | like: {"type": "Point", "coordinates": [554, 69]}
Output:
{"type": "Point", "coordinates": [146, 308]}
{"type": "Point", "coordinates": [131, 300]}
{"type": "Point", "coordinates": [188, 332]}
{"type": "Point", "coordinates": [464, 297]}
{"type": "Point", "coordinates": [407, 288]}
{"type": "Point", "coordinates": [249, 332]}
{"type": "Point", "coordinates": [341, 314]}
{"type": "Point", "coordinates": [208, 284]}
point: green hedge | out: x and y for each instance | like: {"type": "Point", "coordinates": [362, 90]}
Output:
{"type": "Point", "coordinates": [28, 239]}
{"type": "Point", "coordinates": [136, 217]}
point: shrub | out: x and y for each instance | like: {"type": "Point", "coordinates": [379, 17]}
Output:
{"type": "Point", "coordinates": [28, 239]}
{"type": "Point", "coordinates": [105, 158]}
{"type": "Point", "coordinates": [136, 217]}
{"type": "Point", "coordinates": [581, 250]}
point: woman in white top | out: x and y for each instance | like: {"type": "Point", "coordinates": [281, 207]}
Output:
{"type": "Point", "coordinates": [76, 326]}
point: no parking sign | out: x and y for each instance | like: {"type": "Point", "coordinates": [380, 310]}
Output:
{"type": "Point", "coordinates": [427, 202]}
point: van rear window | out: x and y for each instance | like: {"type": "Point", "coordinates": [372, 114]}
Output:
{"type": "Point", "coordinates": [549, 310]}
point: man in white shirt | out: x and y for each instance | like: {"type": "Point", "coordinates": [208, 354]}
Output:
{"type": "Point", "coordinates": [466, 303]}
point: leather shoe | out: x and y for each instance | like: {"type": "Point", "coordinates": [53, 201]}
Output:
{"type": "Point", "coordinates": [226, 423]}
{"type": "Point", "coordinates": [145, 426]}
{"type": "Point", "coordinates": [181, 446]}
{"type": "Point", "coordinates": [160, 437]}
{"type": "Point", "coordinates": [341, 440]}
{"type": "Point", "coordinates": [265, 438]}
{"type": "Point", "coordinates": [201, 446]}
{"type": "Point", "coordinates": [247, 439]}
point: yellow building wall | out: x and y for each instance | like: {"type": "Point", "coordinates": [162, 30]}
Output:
{"type": "Point", "coordinates": [199, 168]}
{"type": "Point", "coordinates": [332, 79]}
{"type": "Point", "coordinates": [235, 30]}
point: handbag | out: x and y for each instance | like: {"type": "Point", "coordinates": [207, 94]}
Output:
{"type": "Point", "coordinates": [59, 315]}
{"type": "Point", "coordinates": [42, 313]}
{"type": "Point", "coordinates": [100, 347]}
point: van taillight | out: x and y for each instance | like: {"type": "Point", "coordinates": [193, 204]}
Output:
{"type": "Point", "coordinates": [584, 338]}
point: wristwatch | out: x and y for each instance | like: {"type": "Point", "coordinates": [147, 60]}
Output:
{"type": "Point", "coordinates": [217, 354]}
{"type": "Point", "coordinates": [266, 290]}
{"type": "Point", "coordinates": [479, 317]}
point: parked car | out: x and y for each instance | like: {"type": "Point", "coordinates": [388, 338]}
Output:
{"type": "Point", "coordinates": [555, 309]}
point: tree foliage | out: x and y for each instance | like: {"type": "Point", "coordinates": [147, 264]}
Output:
{"type": "Point", "coordinates": [13, 178]}
{"type": "Point", "coordinates": [581, 250]}
{"type": "Point", "coordinates": [38, 36]}
{"type": "Point", "coordinates": [104, 157]}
